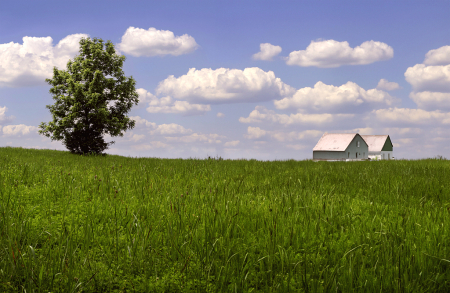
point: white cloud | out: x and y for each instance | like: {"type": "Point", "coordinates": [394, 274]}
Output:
{"type": "Point", "coordinates": [3, 118]}
{"type": "Point", "coordinates": [150, 146]}
{"type": "Point", "coordinates": [137, 137]}
{"type": "Point", "coordinates": [162, 129]}
{"type": "Point", "coordinates": [254, 133]}
{"type": "Point", "coordinates": [280, 136]}
{"type": "Point", "coordinates": [146, 98]}
{"type": "Point", "coordinates": [411, 116]}
{"type": "Point", "coordinates": [267, 52]}
{"type": "Point", "coordinates": [18, 130]}
{"type": "Point", "coordinates": [231, 143]}
{"type": "Point", "coordinates": [196, 137]}
{"type": "Point", "coordinates": [331, 53]}
{"type": "Point", "coordinates": [431, 100]}
{"type": "Point", "coordinates": [329, 98]}
{"type": "Point", "coordinates": [32, 62]}
{"type": "Point", "coordinates": [295, 135]}
{"type": "Point", "coordinates": [142, 123]}
{"type": "Point", "coordinates": [440, 56]}
{"type": "Point", "coordinates": [296, 147]}
{"type": "Point", "coordinates": [429, 78]}
{"type": "Point", "coordinates": [261, 114]}
{"type": "Point", "coordinates": [152, 42]}
{"type": "Point", "coordinates": [385, 85]}
{"type": "Point", "coordinates": [225, 85]}
{"type": "Point", "coordinates": [168, 105]}
{"type": "Point", "coordinates": [172, 128]}
{"type": "Point", "coordinates": [220, 115]}
{"type": "Point", "coordinates": [180, 107]}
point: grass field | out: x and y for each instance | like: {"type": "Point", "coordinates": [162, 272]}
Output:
{"type": "Point", "coordinates": [117, 224]}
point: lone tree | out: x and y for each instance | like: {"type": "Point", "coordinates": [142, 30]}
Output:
{"type": "Point", "coordinates": [92, 98]}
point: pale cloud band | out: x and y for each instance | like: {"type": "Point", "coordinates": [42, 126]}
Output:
{"type": "Point", "coordinates": [407, 116]}
{"type": "Point", "coordinates": [174, 133]}
{"type": "Point", "coordinates": [258, 133]}
{"type": "Point", "coordinates": [31, 62]}
{"type": "Point", "coordinates": [262, 114]}
{"type": "Point", "coordinates": [267, 52]}
{"type": "Point", "coordinates": [331, 53]}
{"type": "Point", "coordinates": [152, 42]}
{"type": "Point", "coordinates": [223, 85]}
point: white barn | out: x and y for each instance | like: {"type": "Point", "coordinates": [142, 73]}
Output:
{"type": "Point", "coordinates": [380, 147]}
{"type": "Point", "coordinates": [341, 146]}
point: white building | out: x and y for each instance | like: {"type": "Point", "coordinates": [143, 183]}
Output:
{"type": "Point", "coordinates": [341, 146]}
{"type": "Point", "coordinates": [380, 147]}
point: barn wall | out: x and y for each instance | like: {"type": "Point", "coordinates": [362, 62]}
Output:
{"type": "Point", "coordinates": [379, 155]}
{"type": "Point", "coordinates": [363, 149]}
{"type": "Point", "coordinates": [328, 155]}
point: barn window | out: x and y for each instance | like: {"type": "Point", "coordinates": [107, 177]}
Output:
{"type": "Point", "coordinates": [357, 144]}
{"type": "Point", "coordinates": [349, 154]}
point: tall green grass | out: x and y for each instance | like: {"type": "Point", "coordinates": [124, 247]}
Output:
{"type": "Point", "coordinates": [114, 224]}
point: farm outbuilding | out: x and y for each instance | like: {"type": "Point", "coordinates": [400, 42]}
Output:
{"type": "Point", "coordinates": [380, 147]}
{"type": "Point", "coordinates": [341, 146]}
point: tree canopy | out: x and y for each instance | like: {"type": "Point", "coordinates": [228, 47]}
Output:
{"type": "Point", "coordinates": [92, 98]}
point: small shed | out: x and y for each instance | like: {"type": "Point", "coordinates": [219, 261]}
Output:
{"type": "Point", "coordinates": [380, 147]}
{"type": "Point", "coordinates": [341, 146]}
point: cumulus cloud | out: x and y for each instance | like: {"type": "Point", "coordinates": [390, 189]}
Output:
{"type": "Point", "coordinates": [261, 114]}
{"type": "Point", "coordinates": [220, 115]}
{"type": "Point", "coordinates": [142, 123]}
{"type": "Point", "coordinates": [440, 56]}
{"type": "Point", "coordinates": [385, 85]}
{"type": "Point", "coordinates": [254, 133]}
{"type": "Point", "coordinates": [431, 100]}
{"type": "Point", "coordinates": [331, 53]}
{"type": "Point", "coordinates": [411, 116]}
{"type": "Point", "coordinates": [152, 42]}
{"type": "Point", "coordinates": [137, 137]}
{"type": "Point", "coordinates": [170, 129]}
{"type": "Point", "coordinates": [145, 98]}
{"type": "Point", "coordinates": [223, 85]}
{"type": "Point", "coordinates": [429, 78]}
{"type": "Point", "coordinates": [329, 98]}
{"type": "Point", "coordinates": [169, 105]}
{"type": "Point", "coordinates": [431, 84]}
{"type": "Point", "coordinates": [3, 118]}
{"type": "Point", "coordinates": [267, 52]}
{"type": "Point", "coordinates": [31, 62]}
{"type": "Point", "coordinates": [19, 130]}
{"type": "Point", "coordinates": [162, 129]}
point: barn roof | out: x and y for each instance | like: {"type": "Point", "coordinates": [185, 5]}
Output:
{"type": "Point", "coordinates": [334, 142]}
{"type": "Point", "coordinates": [375, 142]}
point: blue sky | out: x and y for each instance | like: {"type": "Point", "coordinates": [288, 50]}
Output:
{"type": "Point", "coordinates": [373, 67]}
